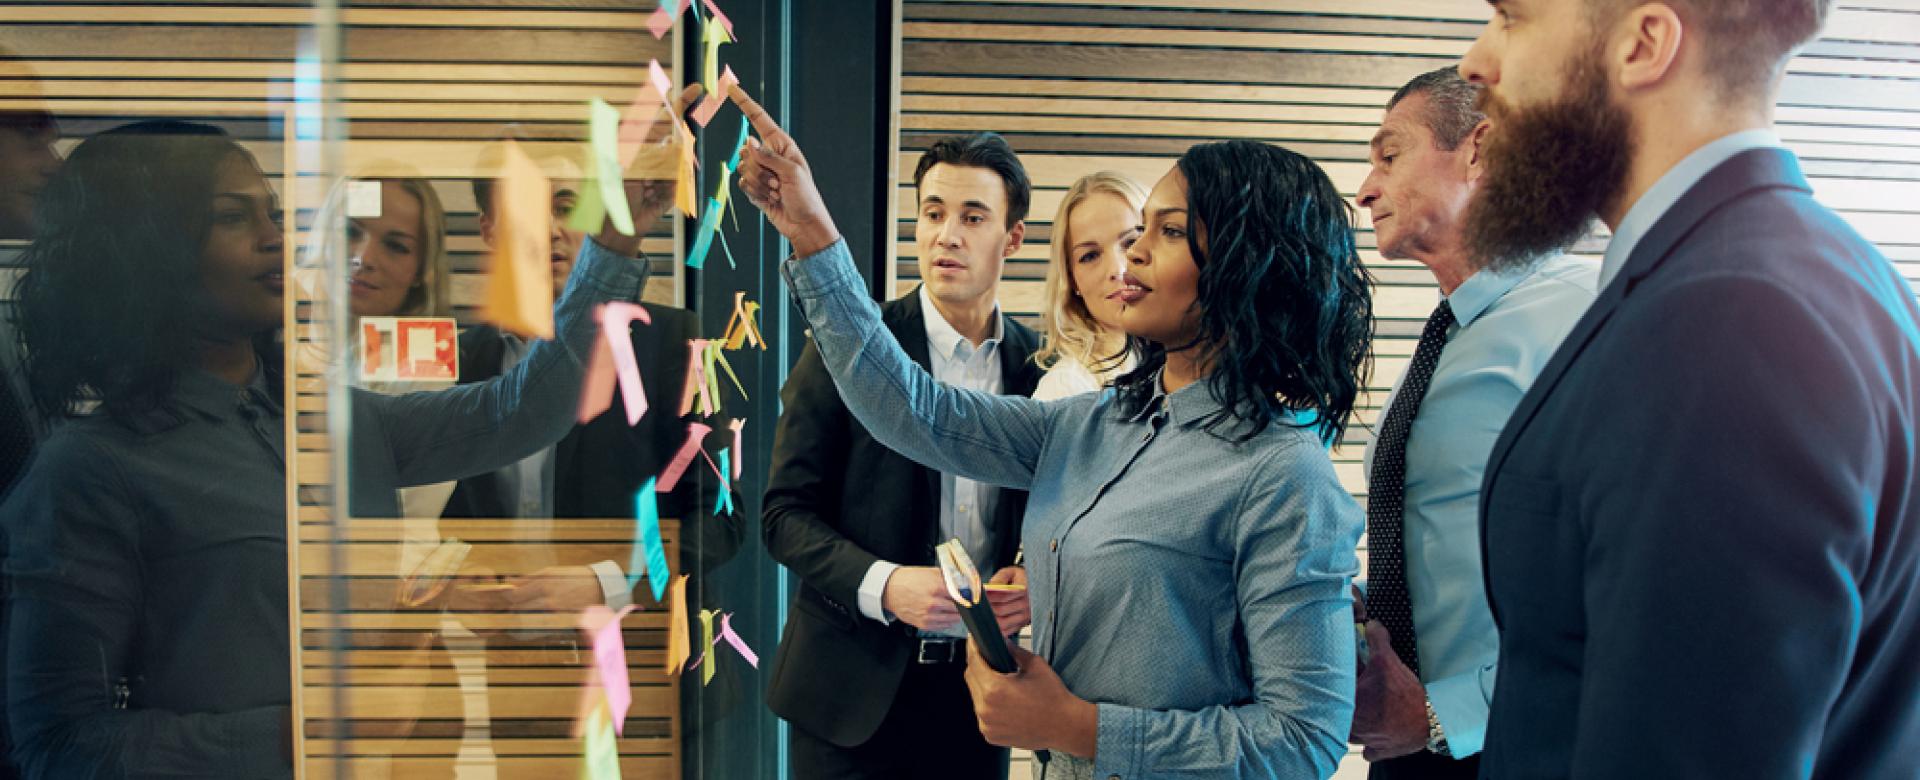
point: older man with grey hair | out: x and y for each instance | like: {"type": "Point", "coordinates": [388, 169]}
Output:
{"type": "Point", "coordinates": [1424, 691]}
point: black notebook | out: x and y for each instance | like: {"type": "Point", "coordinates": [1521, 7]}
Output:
{"type": "Point", "coordinates": [963, 584]}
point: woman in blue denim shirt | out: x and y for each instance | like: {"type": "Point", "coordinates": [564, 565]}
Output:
{"type": "Point", "coordinates": [1189, 547]}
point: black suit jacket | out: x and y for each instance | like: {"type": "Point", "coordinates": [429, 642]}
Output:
{"type": "Point", "coordinates": [600, 465]}
{"type": "Point", "coordinates": [837, 501]}
{"type": "Point", "coordinates": [1701, 526]}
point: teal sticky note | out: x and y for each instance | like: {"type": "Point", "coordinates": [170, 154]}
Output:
{"type": "Point", "coordinates": [703, 234]}
{"type": "Point", "coordinates": [646, 513]}
{"type": "Point", "coordinates": [724, 504]}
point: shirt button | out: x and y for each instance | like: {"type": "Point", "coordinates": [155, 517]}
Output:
{"type": "Point", "coordinates": [1053, 546]}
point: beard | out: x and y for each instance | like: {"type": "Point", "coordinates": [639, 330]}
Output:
{"type": "Point", "coordinates": [1549, 171]}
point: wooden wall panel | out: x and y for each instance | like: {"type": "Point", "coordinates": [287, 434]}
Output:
{"type": "Point", "coordinates": [1129, 85]}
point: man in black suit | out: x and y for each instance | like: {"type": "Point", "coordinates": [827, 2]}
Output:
{"type": "Point", "coordinates": [1701, 526]}
{"type": "Point", "coordinates": [869, 669]}
{"type": "Point", "coordinates": [595, 471]}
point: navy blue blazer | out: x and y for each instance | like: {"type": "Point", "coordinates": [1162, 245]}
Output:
{"type": "Point", "coordinates": [1699, 527]}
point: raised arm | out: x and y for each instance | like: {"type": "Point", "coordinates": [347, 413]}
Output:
{"type": "Point", "coordinates": [471, 429]}
{"type": "Point", "coordinates": [75, 564]}
{"type": "Point", "coordinates": [1295, 538]}
{"type": "Point", "coordinates": [980, 436]}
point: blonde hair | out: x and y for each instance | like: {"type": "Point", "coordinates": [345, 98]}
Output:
{"type": "Point", "coordinates": [433, 296]}
{"type": "Point", "coordinates": [1069, 328]}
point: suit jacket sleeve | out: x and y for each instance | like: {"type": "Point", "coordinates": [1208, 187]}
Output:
{"type": "Point", "coordinates": [1724, 558]}
{"type": "Point", "coordinates": [803, 491]}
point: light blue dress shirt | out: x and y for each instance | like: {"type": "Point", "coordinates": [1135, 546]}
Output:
{"type": "Point", "coordinates": [1195, 588]}
{"type": "Point", "coordinates": [1506, 328]}
{"type": "Point", "coordinates": [1667, 191]}
{"type": "Point", "coordinates": [965, 505]}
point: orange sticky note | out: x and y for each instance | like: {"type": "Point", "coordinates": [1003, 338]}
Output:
{"type": "Point", "coordinates": [677, 641]}
{"type": "Point", "coordinates": [710, 104]}
{"type": "Point", "coordinates": [519, 283]}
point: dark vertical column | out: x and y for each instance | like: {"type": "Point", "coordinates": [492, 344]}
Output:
{"type": "Point", "coordinates": [823, 69]}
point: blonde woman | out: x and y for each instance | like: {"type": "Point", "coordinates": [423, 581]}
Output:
{"type": "Point", "coordinates": [1084, 349]}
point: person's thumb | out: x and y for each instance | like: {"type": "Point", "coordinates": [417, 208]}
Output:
{"type": "Point", "coordinates": [1378, 639]}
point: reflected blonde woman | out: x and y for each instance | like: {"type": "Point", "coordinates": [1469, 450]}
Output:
{"type": "Point", "coordinates": [1084, 349]}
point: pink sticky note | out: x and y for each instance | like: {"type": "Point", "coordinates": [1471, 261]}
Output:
{"type": "Point", "coordinates": [657, 76]}
{"type": "Point", "coordinates": [725, 23]}
{"type": "Point", "coordinates": [738, 427]}
{"type": "Point", "coordinates": [696, 379]}
{"type": "Point", "coordinates": [616, 323]}
{"type": "Point", "coordinates": [661, 22]}
{"type": "Point", "coordinates": [739, 645]}
{"type": "Point", "coordinates": [696, 433]}
{"type": "Point", "coordinates": [610, 659]}
{"type": "Point", "coordinates": [596, 388]}
{"type": "Point", "coordinates": [710, 105]}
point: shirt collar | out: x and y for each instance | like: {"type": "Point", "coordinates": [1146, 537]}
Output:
{"type": "Point", "coordinates": [1186, 406]}
{"type": "Point", "coordinates": [1667, 191]}
{"type": "Point", "coordinates": [211, 398]}
{"type": "Point", "coordinates": [1475, 295]}
{"type": "Point", "coordinates": [941, 334]}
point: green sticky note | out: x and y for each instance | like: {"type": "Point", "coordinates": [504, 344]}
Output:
{"type": "Point", "coordinates": [706, 642]}
{"type": "Point", "coordinates": [602, 747]}
{"type": "Point", "coordinates": [604, 133]}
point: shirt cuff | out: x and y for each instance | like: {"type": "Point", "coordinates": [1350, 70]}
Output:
{"type": "Point", "coordinates": [613, 583]}
{"type": "Point", "coordinates": [821, 273]}
{"type": "Point", "coordinates": [610, 272]}
{"type": "Point", "coordinates": [1116, 751]}
{"type": "Point", "coordinates": [873, 587]}
{"type": "Point", "coordinates": [1461, 703]}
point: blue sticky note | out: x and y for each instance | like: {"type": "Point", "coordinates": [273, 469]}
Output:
{"type": "Point", "coordinates": [733, 163]}
{"type": "Point", "coordinates": [646, 513]}
{"type": "Point", "coordinates": [724, 504]}
{"type": "Point", "coordinates": [703, 234]}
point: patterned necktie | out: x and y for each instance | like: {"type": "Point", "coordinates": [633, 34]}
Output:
{"type": "Point", "coordinates": [1387, 599]}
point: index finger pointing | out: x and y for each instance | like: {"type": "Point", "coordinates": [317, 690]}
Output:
{"type": "Point", "coordinates": [756, 116]}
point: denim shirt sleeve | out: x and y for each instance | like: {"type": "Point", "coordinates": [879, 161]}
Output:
{"type": "Point", "coordinates": [470, 429]}
{"type": "Point", "coordinates": [1294, 558]}
{"type": "Point", "coordinates": [984, 437]}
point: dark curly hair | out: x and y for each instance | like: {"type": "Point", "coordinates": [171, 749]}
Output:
{"type": "Point", "coordinates": [113, 272]}
{"type": "Point", "coordinates": [1286, 306]}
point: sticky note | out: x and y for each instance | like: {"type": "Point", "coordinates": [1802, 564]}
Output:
{"type": "Point", "coordinates": [616, 323]}
{"type": "Point", "coordinates": [696, 433]}
{"type": "Point", "coordinates": [723, 504]}
{"type": "Point", "coordinates": [519, 283]}
{"type": "Point", "coordinates": [697, 384]}
{"type": "Point", "coordinates": [713, 36]}
{"type": "Point", "coordinates": [602, 627]}
{"type": "Point", "coordinates": [677, 650]}
{"type": "Point", "coordinates": [706, 641]}
{"type": "Point", "coordinates": [363, 198]}
{"type": "Point", "coordinates": [661, 21]}
{"type": "Point", "coordinates": [739, 429]}
{"type": "Point", "coordinates": [734, 161]}
{"type": "Point", "coordinates": [662, 84]}
{"type": "Point", "coordinates": [742, 327]}
{"type": "Point", "coordinates": [683, 194]}
{"type": "Point", "coordinates": [703, 235]}
{"type": "Point", "coordinates": [716, 17]}
{"type": "Point", "coordinates": [739, 645]}
{"type": "Point", "coordinates": [647, 520]}
{"type": "Point", "coordinates": [716, 96]}
{"type": "Point", "coordinates": [718, 357]}
{"type": "Point", "coordinates": [604, 132]}
{"type": "Point", "coordinates": [602, 749]}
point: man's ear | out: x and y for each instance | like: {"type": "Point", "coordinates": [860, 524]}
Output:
{"type": "Point", "coordinates": [486, 228]}
{"type": "Point", "coordinates": [1015, 237]}
{"type": "Point", "coordinates": [1476, 143]}
{"type": "Point", "coordinates": [1646, 45]}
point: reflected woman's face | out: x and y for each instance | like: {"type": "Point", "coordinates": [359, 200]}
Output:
{"type": "Point", "coordinates": [241, 262]}
{"type": "Point", "coordinates": [385, 253]}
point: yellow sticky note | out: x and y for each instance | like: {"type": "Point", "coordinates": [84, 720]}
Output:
{"type": "Point", "coordinates": [677, 650]}
{"type": "Point", "coordinates": [602, 749]}
{"type": "Point", "coordinates": [706, 642]}
{"type": "Point", "coordinates": [683, 194]}
{"type": "Point", "coordinates": [713, 36]}
{"type": "Point", "coordinates": [519, 283]}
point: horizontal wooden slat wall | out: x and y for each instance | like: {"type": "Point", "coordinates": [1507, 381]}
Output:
{"type": "Point", "coordinates": [427, 85]}
{"type": "Point", "coordinates": [1078, 87]}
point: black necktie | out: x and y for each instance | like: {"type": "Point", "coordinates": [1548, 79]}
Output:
{"type": "Point", "coordinates": [1387, 599]}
